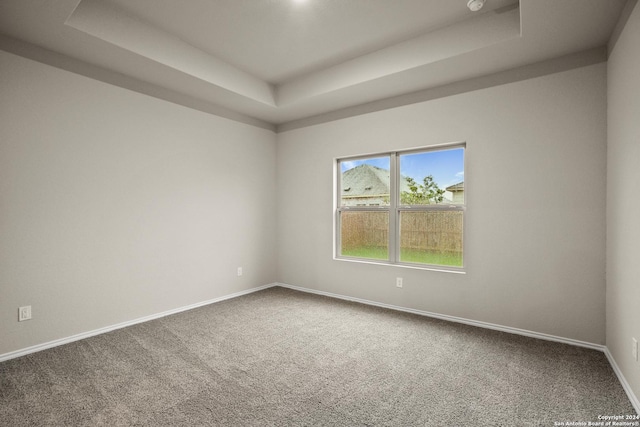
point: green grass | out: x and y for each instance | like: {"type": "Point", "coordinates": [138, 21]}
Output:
{"type": "Point", "coordinates": [367, 252]}
{"type": "Point", "coordinates": [437, 258]}
{"type": "Point", "coordinates": [407, 255]}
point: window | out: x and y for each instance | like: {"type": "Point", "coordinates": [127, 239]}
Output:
{"type": "Point", "coordinates": [402, 207]}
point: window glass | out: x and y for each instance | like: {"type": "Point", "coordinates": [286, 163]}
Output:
{"type": "Point", "coordinates": [365, 234]}
{"type": "Point", "coordinates": [365, 182]}
{"type": "Point", "coordinates": [432, 177]}
{"type": "Point", "coordinates": [431, 237]}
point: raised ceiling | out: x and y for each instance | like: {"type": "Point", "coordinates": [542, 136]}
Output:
{"type": "Point", "coordinates": [277, 41]}
{"type": "Point", "coordinates": [279, 61]}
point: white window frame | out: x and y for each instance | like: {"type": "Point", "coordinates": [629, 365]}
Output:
{"type": "Point", "coordinates": [395, 208]}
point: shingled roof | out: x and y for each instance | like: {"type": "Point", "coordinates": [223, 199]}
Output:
{"type": "Point", "coordinates": [456, 187]}
{"type": "Point", "coordinates": [365, 180]}
{"type": "Point", "coordinates": [368, 180]}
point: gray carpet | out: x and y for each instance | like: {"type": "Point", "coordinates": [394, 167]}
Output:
{"type": "Point", "coordinates": [284, 358]}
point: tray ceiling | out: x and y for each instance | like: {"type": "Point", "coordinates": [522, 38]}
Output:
{"type": "Point", "coordinates": [279, 61]}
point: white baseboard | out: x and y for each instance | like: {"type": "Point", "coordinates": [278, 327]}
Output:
{"type": "Point", "coordinates": [83, 335]}
{"type": "Point", "coordinates": [477, 323]}
{"type": "Point", "coordinates": [508, 329]}
{"type": "Point", "coordinates": [625, 385]}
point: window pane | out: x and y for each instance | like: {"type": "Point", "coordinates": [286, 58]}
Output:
{"type": "Point", "coordinates": [365, 182]}
{"type": "Point", "coordinates": [432, 177]}
{"type": "Point", "coordinates": [431, 237]}
{"type": "Point", "coordinates": [364, 234]}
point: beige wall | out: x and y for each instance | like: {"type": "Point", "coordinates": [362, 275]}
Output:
{"type": "Point", "coordinates": [623, 212]}
{"type": "Point", "coordinates": [115, 205]}
{"type": "Point", "coordinates": [535, 260]}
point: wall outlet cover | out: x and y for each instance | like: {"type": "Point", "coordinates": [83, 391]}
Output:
{"type": "Point", "coordinates": [24, 313]}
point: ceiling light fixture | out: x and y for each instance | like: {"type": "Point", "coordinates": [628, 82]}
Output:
{"type": "Point", "coordinates": [475, 5]}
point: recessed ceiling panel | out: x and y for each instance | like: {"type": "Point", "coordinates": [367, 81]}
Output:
{"type": "Point", "coordinates": [277, 40]}
{"type": "Point", "coordinates": [282, 60]}
{"type": "Point", "coordinates": [439, 45]}
{"type": "Point", "coordinates": [109, 23]}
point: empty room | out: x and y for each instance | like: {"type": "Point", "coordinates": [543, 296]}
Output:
{"type": "Point", "coordinates": [319, 212]}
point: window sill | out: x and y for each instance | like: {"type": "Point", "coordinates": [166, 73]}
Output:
{"type": "Point", "coordinates": [440, 269]}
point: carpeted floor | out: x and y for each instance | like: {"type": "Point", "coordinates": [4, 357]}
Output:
{"type": "Point", "coordinates": [284, 358]}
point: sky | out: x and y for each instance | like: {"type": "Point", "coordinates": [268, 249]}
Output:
{"type": "Point", "coordinates": [446, 166]}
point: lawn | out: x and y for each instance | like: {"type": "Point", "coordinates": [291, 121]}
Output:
{"type": "Point", "coordinates": [407, 255]}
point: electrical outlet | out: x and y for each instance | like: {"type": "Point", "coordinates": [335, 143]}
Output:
{"type": "Point", "coordinates": [634, 348]}
{"type": "Point", "coordinates": [399, 282]}
{"type": "Point", "coordinates": [24, 313]}
{"type": "Point", "coordinates": [239, 271]}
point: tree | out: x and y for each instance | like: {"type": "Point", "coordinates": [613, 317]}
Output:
{"type": "Point", "coordinates": [422, 194]}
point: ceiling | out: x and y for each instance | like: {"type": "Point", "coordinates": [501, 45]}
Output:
{"type": "Point", "coordinates": [278, 61]}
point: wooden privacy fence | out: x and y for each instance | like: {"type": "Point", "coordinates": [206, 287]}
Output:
{"type": "Point", "coordinates": [433, 231]}
{"type": "Point", "coordinates": [364, 229]}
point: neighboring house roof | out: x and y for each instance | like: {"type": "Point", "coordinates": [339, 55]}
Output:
{"type": "Point", "coordinates": [456, 187]}
{"type": "Point", "coordinates": [367, 181]}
